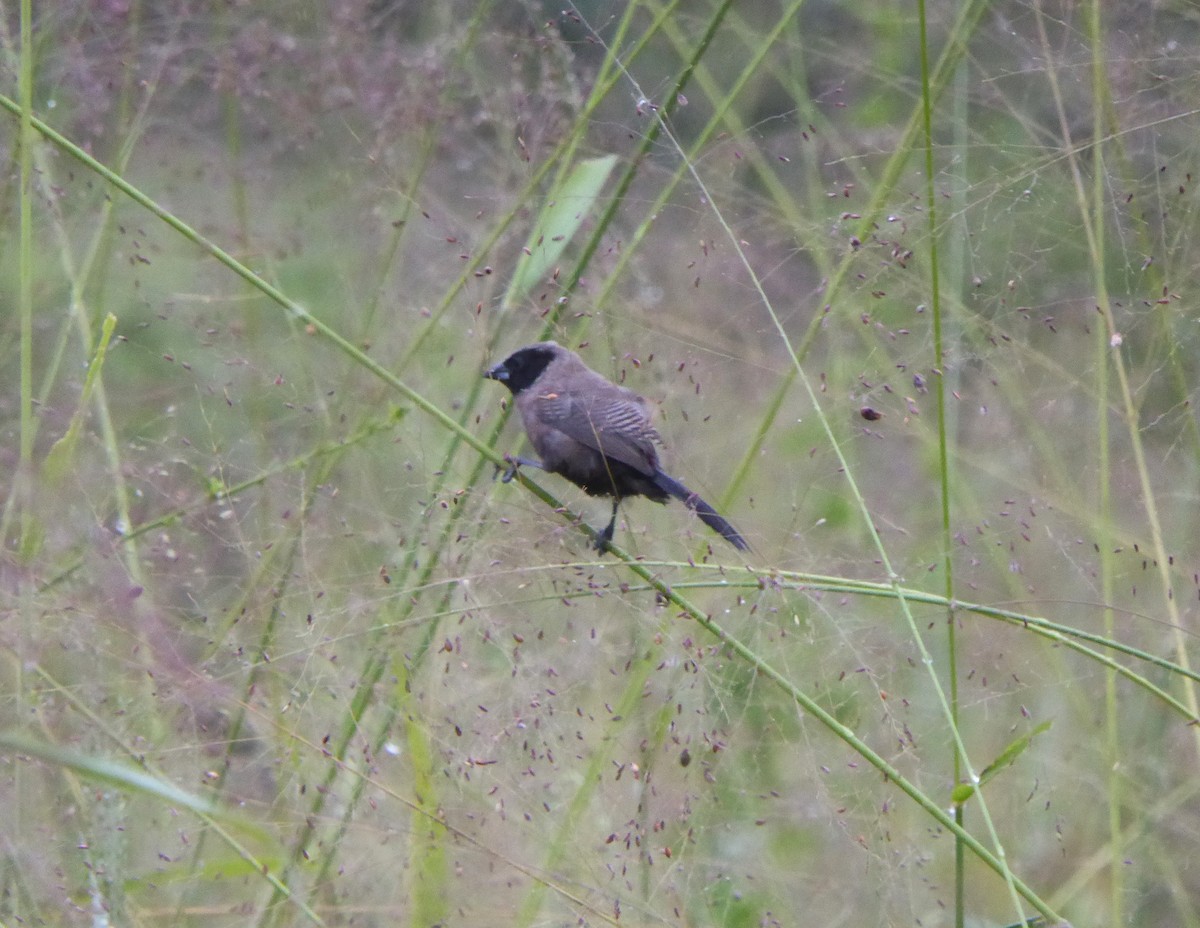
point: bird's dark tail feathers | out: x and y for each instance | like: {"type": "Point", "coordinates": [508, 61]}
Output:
{"type": "Point", "coordinates": [707, 514]}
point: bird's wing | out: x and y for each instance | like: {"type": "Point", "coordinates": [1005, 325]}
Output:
{"type": "Point", "coordinates": [618, 426]}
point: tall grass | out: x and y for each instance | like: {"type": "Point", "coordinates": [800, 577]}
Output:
{"type": "Point", "coordinates": [910, 286]}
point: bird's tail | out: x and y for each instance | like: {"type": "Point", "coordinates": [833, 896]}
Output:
{"type": "Point", "coordinates": [707, 514]}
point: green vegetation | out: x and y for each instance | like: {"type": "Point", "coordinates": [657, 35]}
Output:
{"type": "Point", "coordinates": [912, 287]}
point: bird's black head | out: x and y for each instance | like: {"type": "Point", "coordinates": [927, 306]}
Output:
{"type": "Point", "coordinates": [521, 368]}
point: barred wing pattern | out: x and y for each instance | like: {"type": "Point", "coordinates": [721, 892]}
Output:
{"type": "Point", "coordinates": [618, 428]}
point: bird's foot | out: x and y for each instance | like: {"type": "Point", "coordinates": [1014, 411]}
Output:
{"type": "Point", "coordinates": [510, 471]}
{"type": "Point", "coordinates": [513, 463]}
{"type": "Point", "coordinates": [603, 540]}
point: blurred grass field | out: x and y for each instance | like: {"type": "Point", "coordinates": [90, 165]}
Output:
{"type": "Point", "coordinates": [278, 649]}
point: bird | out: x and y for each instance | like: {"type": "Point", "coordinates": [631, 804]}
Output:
{"type": "Point", "coordinates": [593, 432]}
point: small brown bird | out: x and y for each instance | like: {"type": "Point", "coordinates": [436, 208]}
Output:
{"type": "Point", "coordinates": [596, 434]}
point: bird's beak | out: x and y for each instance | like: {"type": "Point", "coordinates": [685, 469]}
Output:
{"type": "Point", "coordinates": [499, 372]}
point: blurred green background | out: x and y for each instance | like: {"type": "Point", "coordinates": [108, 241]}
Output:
{"type": "Point", "coordinates": [240, 560]}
